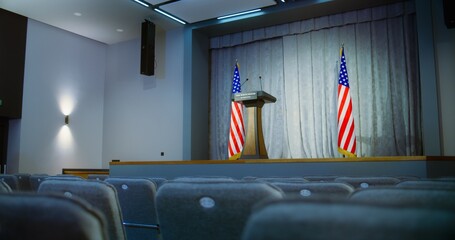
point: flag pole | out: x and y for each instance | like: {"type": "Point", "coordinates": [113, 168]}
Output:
{"type": "Point", "coordinates": [341, 52]}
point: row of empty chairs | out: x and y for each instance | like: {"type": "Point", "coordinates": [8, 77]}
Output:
{"type": "Point", "coordinates": [34, 216]}
{"type": "Point", "coordinates": [27, 182]}
{"type": "Point", "coordinates": [31, 182]}
{"type": "Point", "coordinates": [309, 219]}
{"type": "Point", "coordinates": [227, 208]}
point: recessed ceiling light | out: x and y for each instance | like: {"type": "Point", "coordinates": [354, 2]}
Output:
{"type": "Point", "coordinates": [119, 30]}
{"type": "Point", "coordinates": [77, 14]}
{"type": "Point", "coordinates": [240, 13]}
{"type": "Point", "coordinates": [142, 3]}
{"type": "Point", "coordinates": [169, 16]}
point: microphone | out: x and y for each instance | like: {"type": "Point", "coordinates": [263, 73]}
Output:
{"type": "Point", "coordinates": [260, 81]}
{"type": "Point", "coordinates": [246, 80]}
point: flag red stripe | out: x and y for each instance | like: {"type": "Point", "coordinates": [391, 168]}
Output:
{"type": "Point", "coordinates": [349, 136]}
{"type": "Point", "coordinates": [347, 143]}
{"type": "Point", "coordinates": [345, 120]}
{"type": "Point", "coordinates": [237, 118]}
{"type": "Point", "coordinates": [344, 126]}
{"type": "Point", "coordinates": [234, 144]}
{"type": "Point", "coordinates": [237, 109]}
{"type": "Point", "coordinates": [341, 101]}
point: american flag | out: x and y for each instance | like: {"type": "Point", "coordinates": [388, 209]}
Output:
{"type": "Point", "coordinates": [237, 130]}
{"type": "Point", "coordinates": [346, 134]}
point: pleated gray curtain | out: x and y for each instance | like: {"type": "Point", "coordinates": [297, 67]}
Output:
{"type": "Point", "coordinates": [298, 64]}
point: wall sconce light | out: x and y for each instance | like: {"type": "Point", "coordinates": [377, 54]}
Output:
{"type": "Point", "coordinates": [67, 119]}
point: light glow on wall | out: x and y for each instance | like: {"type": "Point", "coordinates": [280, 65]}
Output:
{"type": "Point", "coordinates": [66, 103]}
{"type": "Point", "coordinates": [65, 140]}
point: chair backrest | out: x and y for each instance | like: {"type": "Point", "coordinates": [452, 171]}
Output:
{"type": "Point", "coordinates": [24, 181]}
{"type": "Point", "coordinates": [407, 177]}
{"type": "Point", "coordinates": [203, 179]}
{"type": "Point", "coordinates": [427, 184]}
{"type": "Point", "coordinates": [4, 187]}
{"type": "Point", "coordinates": [38, 217]}
{"type": "Point", "coordinates": [100, 177]}
{"type": "Point", "coordinates": [36, 180]}
{"type": "Point", "coordinates": [315, 189]}
{"type": "Point", "coordinates": [137, 200]}
{"type": "Point", "coordinates": [431, 198]}
{"type": "Point", "coordinates": [281, 179]}
{"type": "Point", "coordinates": [208, 210]}
{"type": "Point", "coordinates": [100, 194]}
{"type": "Point", "coordinates": [311, 220]}
{"type": "Point", "coordinates": [249, 178]}
{"type": "Point", "coordinates": [66, 177]}
{"type": "Point", "coordinates": [447, 178]}
{"type": "Point", "coordinates": [366, 182]}
{"type": "Point", "coordinates": [11, 180]}
{"type": "Point", "coordinates": [320, 178]}
{"type": "Point", "coordinates": [158, 181]}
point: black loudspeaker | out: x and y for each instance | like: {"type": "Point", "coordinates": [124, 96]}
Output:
{"type": "Point", "coordinates": [449, 13]}
{"type": "Point", "coordinates": [148, 48]}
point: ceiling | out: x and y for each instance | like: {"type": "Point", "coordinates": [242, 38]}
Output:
{"type": "Point", "coordinates": [113, 21]}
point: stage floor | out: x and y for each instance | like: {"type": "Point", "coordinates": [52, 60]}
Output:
{"type": "Point", "coordinates": [418, 166]}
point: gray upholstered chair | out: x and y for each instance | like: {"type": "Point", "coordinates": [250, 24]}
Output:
{"type": "Point", "coordinates": [431, 198]}
{"type": "Point", "coordinates": [315, 189]}
{"type": "Point", "coordinates": [99, 177]}
{"type": "Point", "coordinates": [36, 180]}
{"type": "Point", "coordinates": [281, 179]}
{"type": "Point", "coordinates": [209, 210]}
{"type": "Point", "coordinates": [447, 178]}
{"type": "Point", "coordinates": [366, 182]}
{"type": "Point", "coordinates": [249, 178]}
{"type": "Point", "coordinates": [11, 180]}
{"type": "Point", "coordinates": [320, 178]}
{"type": "Point", "coordinates": [427, 184]}
{"type": "Point", "coordinates": [407, 177]}
{"type": "Point", "coordinates": [157, 180]}
{"type": "Point", "coordinates": [66, 177]}
{"type": "Point", "coordinates": [28, 216]}
{"type": "Point", "coordinates": [4, 187]}
{"type": "Point", "coordinates": [203, 179]}
{"type": "Point", "coordinates": [137, 201]}
{"type": "Point", "coordinates": [99, 194]}
{"type": "Point", "coordinates": [24, 181]}
{"type": "Point", "coordinates": [318, 220]}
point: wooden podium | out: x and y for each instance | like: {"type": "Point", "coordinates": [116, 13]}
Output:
{"type": "Point", "coordinates": [254, 147]}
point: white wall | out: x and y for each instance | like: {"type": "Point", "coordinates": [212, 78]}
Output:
{"type": "Point", "coordinates": [143, 115]}
{"type": "Point", "coordinates": [444, 40]}
{"type": "Point", "coordinates": [64, 72]}
{"type": "Point", "coordinates": [115, 113]}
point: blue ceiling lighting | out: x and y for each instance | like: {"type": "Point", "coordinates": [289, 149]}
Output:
{"type": "Point", "coordinates": [240, 13]}
{"type": "Point", "coordinates": [169, 15]}
{"type": "Point", "coordinates": [142, 3]}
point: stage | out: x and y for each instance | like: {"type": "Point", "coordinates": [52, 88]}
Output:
{"type": "Point", "coordinates": [418, 166]}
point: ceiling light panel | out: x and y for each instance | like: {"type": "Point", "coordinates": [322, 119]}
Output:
{"type": "Point", "coordinates": [156, 2]}
{"type": "Point", "coordinates": [198, 10]}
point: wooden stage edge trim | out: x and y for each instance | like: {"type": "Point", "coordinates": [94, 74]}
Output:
{"type": "Point", "coordinates": [300, 160]}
